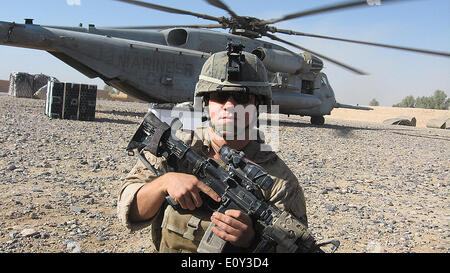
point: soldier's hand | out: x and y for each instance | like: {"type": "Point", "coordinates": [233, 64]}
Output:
{"type": "Point", "coordinates": [236, 227]}
{"type": "Point", "coordinates": [185, 189]}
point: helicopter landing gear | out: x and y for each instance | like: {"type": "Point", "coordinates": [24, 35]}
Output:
{"type": "Point", "coordinates": [317, 120]}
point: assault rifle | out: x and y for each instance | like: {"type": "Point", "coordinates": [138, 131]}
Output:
{"type": "Point", "coordinates": [235, 184]}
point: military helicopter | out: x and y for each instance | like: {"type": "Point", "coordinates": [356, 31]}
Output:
{"type": "Point", "coordinates": [163, 66]}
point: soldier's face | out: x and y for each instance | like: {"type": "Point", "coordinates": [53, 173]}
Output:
{"type": "Point", "coordinates": [231, 114]}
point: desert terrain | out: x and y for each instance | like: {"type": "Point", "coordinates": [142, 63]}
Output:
{"type": "Point", "coordinates": [382, 113]}
{"type": "Point", "coordinates": [374, 187]}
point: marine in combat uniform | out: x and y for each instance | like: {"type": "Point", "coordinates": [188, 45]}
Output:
{"type": "Point", "coordinates": [181, 230]}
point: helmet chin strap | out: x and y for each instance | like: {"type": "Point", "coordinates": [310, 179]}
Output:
{"type": "Point", "coordinates": [235, 130]}
{"type": "Point", "coordinates": [219, 130]}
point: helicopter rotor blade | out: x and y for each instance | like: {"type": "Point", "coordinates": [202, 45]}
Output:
{"type": "Point", "coordinates": [168, 26]}
{"type": "Point", "coordinates": [221, 5]}
{"type": "Point", "coordinates": [425, 51]}
{"type": "Point", "coordinates": [171, 10]}
{"type": "Point", "coordinates": [355, 70]}
{"type": "Point", "coordinates": [345, 5]}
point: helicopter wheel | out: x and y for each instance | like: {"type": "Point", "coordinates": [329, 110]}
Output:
{"type": "Point", "coordinates": [317, 120]}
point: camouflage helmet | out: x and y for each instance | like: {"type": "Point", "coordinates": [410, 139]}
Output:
{"type": "Point", "coordinates": [214, 77]}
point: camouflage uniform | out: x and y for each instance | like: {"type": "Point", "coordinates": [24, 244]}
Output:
{"type": "Point", "coordinates": [181, 231]}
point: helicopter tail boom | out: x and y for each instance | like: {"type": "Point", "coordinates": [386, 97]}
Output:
{"type": "Point", "coordinates": [27, 36]}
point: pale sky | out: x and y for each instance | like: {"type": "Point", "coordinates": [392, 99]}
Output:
{"type": "Point", "coordinates": [393, 74]}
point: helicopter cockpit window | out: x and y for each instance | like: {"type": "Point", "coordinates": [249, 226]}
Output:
{"type": "Point", "coordinates": [177, 37]}
{"type": "Point", "coordinates": [307, 87]}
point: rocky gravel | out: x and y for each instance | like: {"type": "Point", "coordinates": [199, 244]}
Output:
{"type": "Point", "coordinates": [376, 188]}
